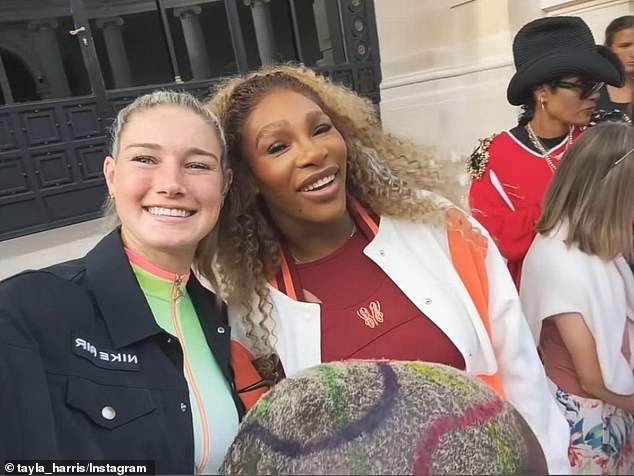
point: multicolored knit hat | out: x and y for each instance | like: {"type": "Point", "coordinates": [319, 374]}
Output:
{"type": "Point", "coordinates": [382, 417]}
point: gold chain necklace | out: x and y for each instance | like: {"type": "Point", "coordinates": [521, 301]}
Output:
{"type": "Point", "coordinates": [299, 261]}
{"type": "Point", "coordinates": [539, 145]}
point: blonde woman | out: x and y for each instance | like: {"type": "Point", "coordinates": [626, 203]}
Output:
{"type": "Point", "coordinates": [123, 354]}
{"type": "Point", "coordinates": [578, 295]}
{"type": "Point", "coordinates": [338, 242]}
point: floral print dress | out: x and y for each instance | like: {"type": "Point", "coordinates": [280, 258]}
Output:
{"type": "Point", "coordinates": [601, 435]}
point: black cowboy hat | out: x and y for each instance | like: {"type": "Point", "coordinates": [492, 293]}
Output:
{"type": "Point", "coordinates": [552, 47]}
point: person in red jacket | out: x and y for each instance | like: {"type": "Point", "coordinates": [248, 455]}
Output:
{"type": "Point", "coordinates": [559, 73]}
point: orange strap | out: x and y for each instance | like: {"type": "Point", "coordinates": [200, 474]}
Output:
{"type": "Point", "coordinates": [287, 283]}
{"type": "Point", "coordinates": [373, 225]}
{"type": "Point", "coordinates": [246, 376]}
{"type": "Point", "coordinates": [468, 249]}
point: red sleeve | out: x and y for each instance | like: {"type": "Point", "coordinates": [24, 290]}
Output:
{"type": "Point", "coordinates": [512, 231]}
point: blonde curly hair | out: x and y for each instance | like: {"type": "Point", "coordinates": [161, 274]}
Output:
{"type": "Point", "coordinates": [390, 175]}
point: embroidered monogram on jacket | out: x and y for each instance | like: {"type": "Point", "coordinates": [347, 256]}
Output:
{"type": "Point", "coordinates": [371, 315]}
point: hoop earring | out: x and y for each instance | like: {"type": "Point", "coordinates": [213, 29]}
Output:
{"type": "Point", "coordinates": [542, 102]}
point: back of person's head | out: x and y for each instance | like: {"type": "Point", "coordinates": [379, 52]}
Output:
{"type": "Point", "coordinates": [593, 192]}
{"type": "Point", "coordinates": [618, 24]}
{"type": "Point", "coordinates": [381, 417]}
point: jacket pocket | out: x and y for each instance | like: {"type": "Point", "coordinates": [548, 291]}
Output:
{"type": "Point", "coordinates": [106, 405]}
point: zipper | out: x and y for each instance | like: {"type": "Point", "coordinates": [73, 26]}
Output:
{"type": "Point", "coordinates": [175, 295]}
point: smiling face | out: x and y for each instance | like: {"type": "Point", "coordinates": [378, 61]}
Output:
{"type": "Point", "coordinates": [297, 158]}
{"type": "Point", "coordinates": [167, 182]}
{"type": "Point", "coordinates": [623, 46]}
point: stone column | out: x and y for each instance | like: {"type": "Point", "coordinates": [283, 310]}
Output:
{"type": "Point", "coordinates": [194, 41]}
{"type": "Point", "coordinates": [264, 32]}
{"type": "Point", "coordinates": [328, 32]}
{"type": "Point", "coordinates": [115, 49]}
{"type": "Point", "coordinates": [50, 57]}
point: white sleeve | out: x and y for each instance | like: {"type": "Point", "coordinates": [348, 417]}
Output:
{"type": "Point", "coordinates": [557, 279]}
{"type": "Point", "coordinates": [520, 368]}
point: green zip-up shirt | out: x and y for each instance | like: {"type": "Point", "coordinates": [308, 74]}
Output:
{"type": "Point", "coordinates": [215, 418]}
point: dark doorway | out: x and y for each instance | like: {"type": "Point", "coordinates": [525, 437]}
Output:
{"type": "Point", "coordinates": [23, 86]}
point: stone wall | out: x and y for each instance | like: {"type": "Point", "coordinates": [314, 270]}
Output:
{"type": "Point", "coordinates": [446, 63]}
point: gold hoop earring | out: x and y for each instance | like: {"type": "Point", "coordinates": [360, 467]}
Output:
{"type": "Point", "coordinates": [542, 102]}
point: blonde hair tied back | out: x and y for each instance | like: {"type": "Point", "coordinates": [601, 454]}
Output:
{"type": "Point", "coordinates": [148, 101]}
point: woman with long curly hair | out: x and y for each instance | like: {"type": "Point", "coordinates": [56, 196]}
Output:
{"type": "Point", "coordinates": [339, 241]}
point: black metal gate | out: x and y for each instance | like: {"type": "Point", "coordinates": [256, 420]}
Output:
{"type": "Point", "coordinates": [51, 151]}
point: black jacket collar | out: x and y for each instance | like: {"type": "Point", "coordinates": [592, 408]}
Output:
{"type": "Point", "coordinates": [119, 297]}
{"type": "Point", "coordinates": [118, 294]}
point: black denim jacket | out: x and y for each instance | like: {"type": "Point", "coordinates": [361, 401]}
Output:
{"type": "Point", "coordinates": [85, 371]}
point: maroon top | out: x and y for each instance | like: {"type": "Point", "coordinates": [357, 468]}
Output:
{"type": "Point", "coordinates": [364, 315]}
